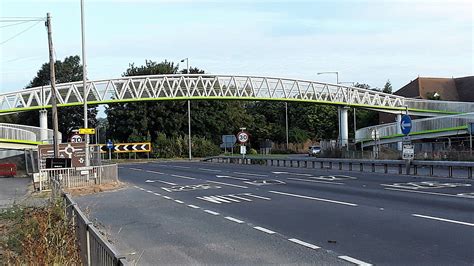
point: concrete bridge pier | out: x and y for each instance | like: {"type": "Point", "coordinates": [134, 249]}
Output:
{"type": "Point", "coordinates": [343, 126]}
{"type": "Point", "coordinates": [43, 119]}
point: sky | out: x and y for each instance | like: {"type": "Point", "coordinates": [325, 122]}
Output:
{"type": "Point", "coordinates": [367, 41]}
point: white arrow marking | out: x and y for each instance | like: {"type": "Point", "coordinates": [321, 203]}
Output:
{"type": "Point", "coordinates": [405, 125]}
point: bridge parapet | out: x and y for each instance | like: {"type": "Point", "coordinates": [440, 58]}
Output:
{"type": "Point", "coordinates": [23, 134]}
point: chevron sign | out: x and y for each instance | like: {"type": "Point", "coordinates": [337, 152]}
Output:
{"type": "Point", "coordinates": [127, 147]}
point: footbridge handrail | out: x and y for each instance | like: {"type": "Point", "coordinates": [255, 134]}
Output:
{"type": "Point", "coordinates": [23, 133]}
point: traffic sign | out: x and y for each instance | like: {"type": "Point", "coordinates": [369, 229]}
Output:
{"type": "Point", "coordinates": [242, 137]}
{"type": "Point", "coordinates": [87, 131]}
{"type": "Point", "coordinates": [406, 124]}
{"type": "Point", "coordinates": [243, 150]}
{"type": "Point", "coordinates": [126, 147]}
{"type": "Point", "coordinates": [408, 152]}
{"type": "Point", "coordinates": [109, 145]}
{"type": "Point", "coordinates": [76, 139]}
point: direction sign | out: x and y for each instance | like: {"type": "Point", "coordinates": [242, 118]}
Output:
{"type": "Point", "coordinates": [126, 147]}
{"type": "Point", "coordinates": [87, 131]}
{"type": "Point", "coordinates": [109, 145]}
{"type": "Point", "coordinates": [76, 139]}
{"type": "Point", "coordinates": [75, 151]}
{"type": "Point", "coordinates": [406, 124]}
{"type": "Point", "coordinates": [229, 140]}
{"type": "Point", "coordinates": [242, 137]}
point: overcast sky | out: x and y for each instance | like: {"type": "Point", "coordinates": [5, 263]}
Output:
{"type": "Point", "coordinates": [366, 41]}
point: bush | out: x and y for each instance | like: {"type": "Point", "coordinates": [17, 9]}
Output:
{"type": "Point", "coordinates": [253, 151]}
{"type": "Point", "coordinates": [173, 147]}
{"type": "Point", "coordinates": [204, 148]}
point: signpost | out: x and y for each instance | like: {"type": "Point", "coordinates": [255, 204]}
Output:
{"type": "Point", "coordinates": [75, 151]}
{"type": "Point", "coordinates": [408, 150]}
{"type": "Point", "coordinates": [87, 131]}
{"type": "Point", "coordinates": [470, 129]}
{"type": "Point", "coordinates": [110, 146]}
{"type": "Point", "coordinates": [405, 124]}
{"type": "Point", "coordinates": [228, 141]}
{"type": "Point", "coordinates": [242, 138]}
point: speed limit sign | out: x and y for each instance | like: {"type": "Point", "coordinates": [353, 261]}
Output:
{"type": "Point", "coordinates": [76, 139]}
{"type": "Point", "coordinates": [243, 137]}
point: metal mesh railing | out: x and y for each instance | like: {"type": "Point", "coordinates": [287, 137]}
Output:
{"type": "Point", "coordinates": [22, 132]}
{"type": "Point", "coordinates": [450, 106]}
{"type": "Point", "coordinates": [78, 177]}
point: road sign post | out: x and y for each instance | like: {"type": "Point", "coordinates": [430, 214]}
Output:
{"type": "Point", "coordinates": [242, 138]}
{"type": "Point", "coordinates": [408, 151]}
{"type": "Point", "coordinates": [110, 146]}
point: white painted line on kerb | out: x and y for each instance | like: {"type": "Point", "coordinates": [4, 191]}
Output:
{"type": "Point", "coordinates": [308, 245]}
{"type": "Point", "coordinates": [426, 192]}
{"type": "Point", "coordinates": [211, 212]}
{"type": "Point", "coordinates": [226, 184]}
{"type": "Point", "coordinates": [136, 169]}
{"type": "Point", "coordinates": [355, 261]}
{"type": "Point", "coordinates": [240, 173]}
{"type": "Point", "coordinates": [233, 177]}
{"type": "Point", "coordinates": [315, 181]}
{"type": "Point", "coordinates": [210, 170]}
{"type": "Point", "coordinates": [234, 220]}
{"type": "Point", "coordinates": [166, 197]}
{"type": "Point", "coordinates": [312, 198]}
{"type": "Point", "coordinates": [443, 219]}
{"type": "Point", "coordinates": [268, 231]}
{"type": "Point", "coordinates": [178, 201]}
{"type": "Point", "coordinates": [154, 172]}
{"type": "Point", "coordinates": [185, 177]}
{"type": "Point", "coordinates": [193, 206]}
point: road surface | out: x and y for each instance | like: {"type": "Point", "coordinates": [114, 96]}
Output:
{"type": "Point", "coordinates": [193, 212]}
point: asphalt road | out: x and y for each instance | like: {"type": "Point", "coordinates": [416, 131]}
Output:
{"type": "Point", "coordinates": [191, 212]}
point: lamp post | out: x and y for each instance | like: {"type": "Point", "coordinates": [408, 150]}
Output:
{"type": "Point", "coordinates": [331, 72]}
{"type": "Point", "coordinates": [84, 84]}
{"type": "Point", "coordinates": [286, 123]}
{"type": "Point", "coordinates": [189, 113]}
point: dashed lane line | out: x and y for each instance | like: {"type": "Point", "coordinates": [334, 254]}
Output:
{"type": "Point", "coordinates": [154, 172]}
{"type": "Point", "coordinates": [136, 169]}
{"type": "Point", "coordinates": [157, 194]}
{"type": "Point", "coordinates": [182, 167]}
{"type": "Point", "coordinates": [315, 181]}
{"type": "Point", "coordinates": [185, 177]}
{"type": "Point", "coordinates": [211, 212]}
{"type": "Point", "coordinates": [149, 191]}
{"type": "Point", "coordinates": [251, 174]}
{"type": "Point", "coordinates": [308, 245]}
{"type": "Point", "coordinates": [313, 198]}
{"type": "Point", "coordinates": [166, 197]}
{"type": "Point", "coordinates": [355, 261]}
{"type": "Point", "coordinates": [193, 206]}
{"type": "Point", "coordinates": [234, 220]}
{"type": "Point", "coordinates": [232, 177]}
{"type": "Point", "coordinates": [442, 219]}
{"type": "Point", "coordinates": [209, 170]}
{"type": "Point", "coordinates": [426, 192]}
{"type": "Point", "coordinates": [268, 231]}
{"type": "Point", "coordinates": [178, 201]}
{"type": "Point", "coordinates": [226, 184]}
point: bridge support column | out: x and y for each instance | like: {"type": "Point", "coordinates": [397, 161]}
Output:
{"type": "Point", "coordinates": [399, 130]}
{"type": "Point", "coordinates": [43, 119]}
{"type": "Point", "coordinates": [343, 126]}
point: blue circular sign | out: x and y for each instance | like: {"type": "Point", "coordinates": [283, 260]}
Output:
{"type": "Point", "coordinates": [109, 144]}
{"type": "Point", "coordinates": [405, 124]}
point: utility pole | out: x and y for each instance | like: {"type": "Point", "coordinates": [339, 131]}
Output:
{"type": "Point", "coordinates": [189, 116]}
{"type": "Point", "coordinates": [84, 84]}
{"type": "Point", "coordinates": [286, 123]}
{"type": "Point", "coordinates": [52, 77]}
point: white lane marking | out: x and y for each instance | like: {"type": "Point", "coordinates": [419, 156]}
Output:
{"type": "Point", "coordinates": [315, 181]}
{"type": "Point", "coordinates": [355, 261]}
{"type": "Point", "coordinates": [156, 180]}
{"type": "Point", "coordinates": [240, 173]}
{"type": "Point", "coordinates": [308, 245]}
{"type": "Point", "coordinates": [312, 198]}
{"type": "Point", "coordinates": [210, 170]}
{"type": "Point", "coordinates": [234, 220]}
{"type": "Point", "coordinates": [136, 186]}
{"type": "Point", "coordinates": [238, 197]}
{"type": "Point", "coordinates": [141, 188]}
{"type": "Point", "coordinates": [136, 169]}
{"type": "Point", "coordinates": [226, 184]}
{"type": "Point", "coordinates": [158, 194]}
{"type": "Point", "coordinates": [292, 173]}
{"type": "Point", "coordinates": [211, 212]}
{"type": "Point", "coordinates": [232, 177]}
{"type": "Point", "coordinates": [178, 166]}
{"type": "Point", "coordinates": [185, 177]}
{"type": "Point", "coordinates": [166, 197]}
{"type": "Point", "coordinates": [268, 231]}
{"type": "Point", "coordinates": [426, 192]}
{"type": "Point", "coordinates": [255, 196]}
{"type": "Point", "coordinates": [213, 199]}
{"type": "Point", "coordinates": [154, 172]}
{"type": "Point", "coordinates": [443, 219]}
{"type": "Point", "coordinates": [228, 197]}
{"type": "Point", "coordinates": [193, 206]}
{"type": "Point", "coordinates": [149, 191]}
{"type": "Point", "coordinates": [178, 201]}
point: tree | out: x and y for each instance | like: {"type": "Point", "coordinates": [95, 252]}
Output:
{"type": "Point", "coordinates": [69, 118]}
{"type": "Point", "coordinates": [387, 88]}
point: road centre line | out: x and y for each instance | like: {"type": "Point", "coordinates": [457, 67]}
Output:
{"type": "Point", "coordinates": [308, 245]}
{"type": "Point", "coordinates": [193, 206]}
{"type": "Point", "coordinates": [240, 173]}
{"type": "Point", "coordinates": [226, 184]}
{"type": "Point", "coordinates": [315, 181]}
{"type": "Point", "coordinates": [232, 177]}
{"type": "Point", "coordinates": [154, 172]}
{"type": "Point", "coordinates": [426, 192]}
{"type": "Point", "coordinates": [312, 198]}
{"type": "Point", "coordinates": [211, 212]}
{"type": "Point", "coordinates": [268, 231]}
{"type": "Point", "coordinates": [234, 220]}
{"type": "Point", "coordinates": [442, 219]}
{"type": "Point", "coordinates": [210, 170]}
{"type": "Point", "coordinates": [178, 201]}
{"type": "Point", "coordinates": [185, 177]}
{"type": "Point", "coordinates": [136, 169]}
{"type": "Point", "coordinates": [166, 197]}
{"type": "Point", "coordinates": [355, 261]}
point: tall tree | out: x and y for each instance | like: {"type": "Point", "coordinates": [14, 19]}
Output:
{"type": "Point", "coordinates": [69, 118]}
{"type": "Point", "coordinates": [387, 88]}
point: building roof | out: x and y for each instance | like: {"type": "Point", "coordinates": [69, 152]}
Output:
{"type": "Point", "coordinates": [448, 89]}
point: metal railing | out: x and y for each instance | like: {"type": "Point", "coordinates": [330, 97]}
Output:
{"type": "Point", "coordinates": [94, 249]}
{"type": "Point", "coordinates": [427, 168]}
{"type": "Point", "coordinates": [78, 177]}
{"type": "Point", "coordinates": [22, 132]}
{"type": "Point", "coordinates": [418, 125]}
{"type": "Point", "coordinates": [450, 106]}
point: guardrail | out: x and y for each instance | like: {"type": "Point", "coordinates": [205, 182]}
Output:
{"type": "Point", "coordinates": [22, 132]}
{"type": "Point", "coordinates": [451, 106]}
{"type": "Point", "coordinates": [445, 168]}
{"type": "Point", "coordinates": [93, 248]}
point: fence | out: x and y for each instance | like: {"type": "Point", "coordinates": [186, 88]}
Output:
{"type": "Point", "coordinates": [427, 168]}
{"type": "Point", "coordinates": [22, 132]}
{"type": "Point", "coordinates": [78, 177]}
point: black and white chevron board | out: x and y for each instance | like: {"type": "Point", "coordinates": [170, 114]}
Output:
{"type": "Point", "coordinates": [127, 147]}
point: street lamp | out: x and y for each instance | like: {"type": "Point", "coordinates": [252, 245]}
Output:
{"type": "Point", "coordinates": [189, 112]}
{"type": "Point", "coordinates": [84, 85]}
{"type": "Point", "coordinates": [331, 72]}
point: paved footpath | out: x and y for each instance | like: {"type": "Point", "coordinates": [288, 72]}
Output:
{"type": "Point", "coordinates": [209, 213]}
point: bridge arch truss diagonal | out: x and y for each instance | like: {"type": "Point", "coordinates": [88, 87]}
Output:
{"type": "Point", "coordinates": [199, 87]}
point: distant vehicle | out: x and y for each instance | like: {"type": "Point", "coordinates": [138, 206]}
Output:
{"type": "Point", "coordinates": [314, 151]}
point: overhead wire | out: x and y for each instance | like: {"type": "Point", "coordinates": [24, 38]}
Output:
{"type": "Point", "coordinates": [21, 32]}
{"type": "Point", "coordinates": [14, 24]}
